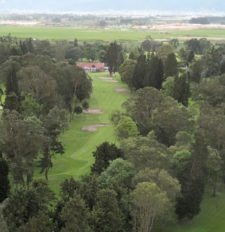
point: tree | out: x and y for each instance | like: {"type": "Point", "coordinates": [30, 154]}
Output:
{"type": "Point", "coordinates": [163, 179]}
{"type": "Point", "coordinates": [163, 121]}
{"type": "Point", "coordinates": [21, 142]}
{"type": "Point", "coordinates": [73, 53]}
{"type": "Point", "coordinates": [54, 123]}
{"type": "Point", "coordinates": [31, 83]}
{"type": "Point", "coordinates": [154, 72]}
{"type": "Point", "coordinates": [139, 72]}
{"type": "Point", "coordinates": [193, 181]}
{"type": "Point", "coordinates": [114, 57]}
{"type": "Point", "coordinates": [118, 176]}
{"type": "Point", "coordinates": [145, 152]}
{"type": "Point", "coordinates": [69, 188]}
{"type": "Point", "coordinates": [149, 203]}
{"type": "Point", "coordinates": [103, 155]}
{"type": "Point", "coordinates": [75, 216]}
{"type": "Point", "coordinates": [127, 71]}
{"type": "Point", "coordinates": [164, 51]}
{"type": "Point", "coordinates": [12, 99]}
{"type": "Point", "coordinates": [214, 169]}
{"type": "Point", "coordinates": [196, 71]}
{"type": "Point", "coordinates": [171, 65]}
{"type": "Point", "coordinates": [27, 203]}
{"type": "Point", "coordinates": [181, 91]}
{"type": "Point", "coordinates": [4, 181]}
{"type": "Point", "coordinates": [41, 222]}
{"type": "Point", "coordinates": [107, 215]}
{"type": "Point", "coordinates": [141, 106]}
{"type": "Point", "coordinates": [126, 127]}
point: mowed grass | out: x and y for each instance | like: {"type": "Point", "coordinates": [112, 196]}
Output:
{"type": "Point", "coordinates": [211, 218]}
{"type": "Point", "coordinates": [69, 33]}
{"type": "Point", "coordinates": [79, 144]}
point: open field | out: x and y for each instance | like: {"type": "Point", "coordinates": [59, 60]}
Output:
{"type": "Point", "coordinates": [79, 144]}
{"type": "Point", "coordinates": [69, 33]}
{"type": "Point", "coordinates": [211, 218]}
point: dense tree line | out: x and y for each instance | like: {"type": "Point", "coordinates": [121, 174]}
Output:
{"type": "Point", "coordinates": [171, 134]}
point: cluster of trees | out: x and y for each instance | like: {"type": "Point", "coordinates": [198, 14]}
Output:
{"type": "Point", "coordinates": [38, 97]}
{"type": "Point", "coordinates": [173, 122]}
{"type": "Point", "coordinates": [171, 135]}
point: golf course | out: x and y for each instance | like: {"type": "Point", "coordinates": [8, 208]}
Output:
{"type": "Point", "coordinates": [88, 130]}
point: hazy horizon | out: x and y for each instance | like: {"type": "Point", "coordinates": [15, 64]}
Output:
{"type": "Point", "coordinates": [116, 5]}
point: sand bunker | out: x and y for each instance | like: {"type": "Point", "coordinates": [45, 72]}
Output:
{"type": "Point", "coordinates": [121, 90]}
{"type": "Point", "coordinates": [93, 111]}
{"type": "Point", "coordinates": [93, 128]}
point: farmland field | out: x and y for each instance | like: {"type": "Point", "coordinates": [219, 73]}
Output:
{"type": "Point", "coordinates": [69, 33]}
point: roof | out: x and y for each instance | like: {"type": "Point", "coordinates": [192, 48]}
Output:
{"type": "Point", "coordinates": [98, 66]}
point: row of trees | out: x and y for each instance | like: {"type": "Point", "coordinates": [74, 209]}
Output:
{"type": "Point", "coordinates": [174, 120]}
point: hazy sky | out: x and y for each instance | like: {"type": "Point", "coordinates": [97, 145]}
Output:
{"type": "Point", "coordinates": [87, 5]}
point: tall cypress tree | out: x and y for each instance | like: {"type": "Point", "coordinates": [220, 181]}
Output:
{"type": "Point", "coordinates": [139, 73]}
{"type": "Point", "coordinates": [181, 90]}
{"type": "Point", "coordinates": [171, 65]}
{"type": "Point", "coordinates": [12, 100]}
{"type": "Point", "coordinates": [193, 181]}
{"type": "Point", "coordinates": [154, 73]}
{"type": "Point", "coordinates": [4, 181]}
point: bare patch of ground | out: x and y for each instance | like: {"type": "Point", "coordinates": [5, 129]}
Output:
{"type": "Point", "coordinates": [109, 79]}
{"type": "Point", "coordinates": [93, 111]}
{"type": "Point", "coordinates": [121, 90]}
{"type": "Point", "coordinates": [93, 128]}
{"type": "Point", "coordinates": [185, 26]}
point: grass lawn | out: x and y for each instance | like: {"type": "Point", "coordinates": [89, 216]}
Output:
{"type": "Point", "coordinates": [211, 218]}
{"type": "Point", "coordinates": [69, 33]}
{"type": "Point", "coordinates": [79, 145]}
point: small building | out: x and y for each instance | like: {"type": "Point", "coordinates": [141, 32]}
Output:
{"type": "Point", "coordinates": [92, 66]}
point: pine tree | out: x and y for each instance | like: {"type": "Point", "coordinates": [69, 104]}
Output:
{"type": "Point", "coordinates": [139, 73]}
{"type": "Point", "coordinates": [154, 73]}
{"type": "Point", "coordinates": [171, 65]}
{"type": "Point", "coordinates": [193, 181]}
{"type": "Point", "coordinates": [181, 90]}
{"type": "Point", "coordinates": [4, 181]}
{"type": "Point", "coordinates": [12, 100]}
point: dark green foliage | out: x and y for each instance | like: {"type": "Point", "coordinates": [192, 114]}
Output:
{"type": "Point", "coordinates": [12, 100]}
{"type": "Point", "coordinates": [139, 72]}
{"type": "Point", "coordinates": [154, 72]}
{"type": "Point", "coordinates": [85, 105]}
{"type": "Point", "coordinates": [107, 215]}
{"type": "Point", "coordinates": [69, 188]}
{"type": "Point", "coordinates": [103, 155]}
{"type": "Point", "coordinates": [171, 68]}
{"type": "Point", "coordinates": [148, 72]}
{"type": "Point", "coordinates": [54, 123]}
{"type": "Point", "coordinates": [78, 110]}
{"type": "Point", "coordinates": [39, 223]}
{"type": "Point", "coordinates": [198, 46]}
{"type": "Point", "coordinates": [114, 57]}
{"type": "Point", "coordinates": [4, 181]}
{"type": "Point", "coordinates": [24, 204]}
{"type": "Point", "coordinates": [89, 188]}
{"type": "Point", "coordinates": [181, 91]}
{"type": "Point", "coordinates": [75, 216]}
{"type": "Point", "coordinates": [26, 46]}
{"type": "Point", "coordinates": [73, 53]}
{"type": "Point", "coordinates": [192, 181]}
